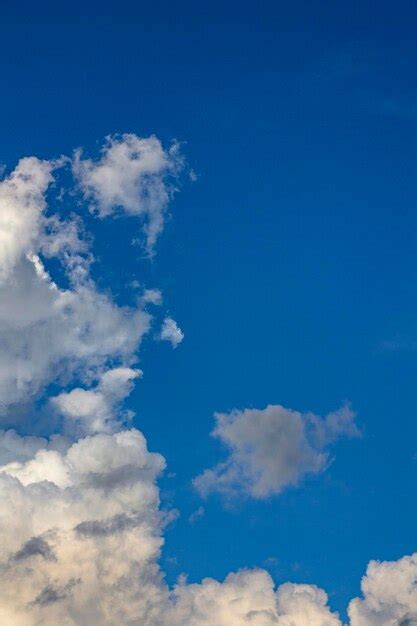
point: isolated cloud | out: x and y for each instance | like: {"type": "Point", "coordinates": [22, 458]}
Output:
{"type": "Point", "coordinates": [197, 515]}
{"type": "Point", "coordinates": [171, 332]}
{"type": "Point", "coordinates": [132, 176]}
{"type": "Point", "coordinates": [271, 449]}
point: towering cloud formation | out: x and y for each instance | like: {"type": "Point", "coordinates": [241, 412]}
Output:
{"type": "Point", "coordinates": [81, 527]}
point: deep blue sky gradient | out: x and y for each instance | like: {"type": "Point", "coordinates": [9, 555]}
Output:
{"type": "Point", "coordinates": [290, 263]}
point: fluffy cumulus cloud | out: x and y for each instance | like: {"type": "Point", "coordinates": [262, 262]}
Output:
{"type": "Point", "coordinates": [22, 201]}
{"type": "Point", "coordinates": [272, 448]}
{"type": "Point", "coordinates": [81, 524]}
{"type": "Point", "coordinates": [249, 597]}
{"type": "Point", "coordinates": [81, 533]}
{"type": "Point", "coordinates": [389, 595]}
{"type": "Point", "coordinates": [48, 331]}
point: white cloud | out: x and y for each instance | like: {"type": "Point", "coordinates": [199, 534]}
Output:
{"type": "Point", "coordinates": [271, 449]}
{"type": "Point", "coordinates": [133, 177]}
{"type": "Point", "coordinates": [90, 411]}
{"type": "Point", "coordinates": [389, 594]}
{"type": "Point", "coordinates": [152, 296]}
{"type": "Point", "coordinates": [22, 202]}
{"type": "Point", "coordinates": [81, 534]}
{"type": "Point", "coordinates": [249, 597]}
{"type": "Point", "coordinates": [171, 332]}
{"type": "Point", "coordinates": [48, 331]}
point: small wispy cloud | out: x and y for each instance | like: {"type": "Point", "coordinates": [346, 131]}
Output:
{"type": "Point", "coordinates": [197, 515]}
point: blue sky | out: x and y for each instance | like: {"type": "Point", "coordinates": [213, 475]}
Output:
{"type": "Point", "coordinates": [289, 263]}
